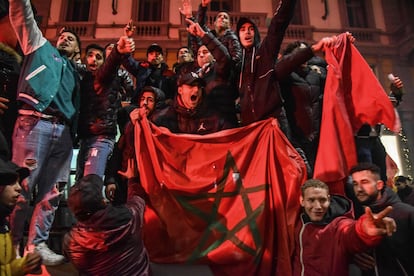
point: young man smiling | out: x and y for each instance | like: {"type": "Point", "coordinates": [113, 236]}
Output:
{"type": "Point", "coordinates": [326, 236]}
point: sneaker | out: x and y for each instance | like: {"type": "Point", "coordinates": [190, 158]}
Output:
{"type": "Point", "coordinates": [17, 250]}
{"type": "Point", "coordinates": [48, 256]}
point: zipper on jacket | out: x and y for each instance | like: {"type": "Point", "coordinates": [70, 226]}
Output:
{"type": "Point", "coordinates": [302, 265]}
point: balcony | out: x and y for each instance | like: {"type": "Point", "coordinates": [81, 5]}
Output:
{"type": "Point", "coordinates": [81, 28]}
{"type": "Point", "coordinates": [258, 18]}
{"type": "Point", "coordinates": [299, 32]}
{"type": "Point", "coordinates": [366, 35]}
{"type": "Point", "coordinates": [151, 29]}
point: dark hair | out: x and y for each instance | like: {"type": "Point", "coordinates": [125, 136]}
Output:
{"type": "Point", "coordinates": [95, 46]}
{"type": "Point", "coordinates": [185, 47]}
{"type": "Point", "coordinates": [402, 178]}
{"type": "Point", "coordinates": [313, 183]}
{"type": "Point", "coordinates": [222, 11]}
{"type": "Point", "coordinates": [64, 30]}
{"type": "Point", "coordinates": [374, 169]}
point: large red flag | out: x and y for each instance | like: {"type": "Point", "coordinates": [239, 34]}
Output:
{"type": "Point", "coordinates": [228, 199]}
{"type": "Point", "coordinates": [353, 96]}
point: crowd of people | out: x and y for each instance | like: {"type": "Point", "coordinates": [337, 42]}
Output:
{"type": "Point", "coordinates": [223, 79]}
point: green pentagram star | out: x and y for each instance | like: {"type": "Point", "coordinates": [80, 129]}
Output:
{"type": "Point", "coordinates": [212, 218]}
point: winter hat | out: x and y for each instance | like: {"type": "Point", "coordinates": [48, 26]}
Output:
{"type": "Point", "coordinates": [189, 78]}
{"type": "Point", "coordinates": [9, 172]}
{"type": "Point", "coordinates": [154, 48]}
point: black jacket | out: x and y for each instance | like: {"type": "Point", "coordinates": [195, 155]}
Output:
{"type": "Point", "coordinates": [228, 39]}
{"type": "Point", "coordinates": [260, 96]}
{"type": "Point", "coordinates": [395, 253]}
{"type": "Point", "coordinates": [220, 88]}
{"type": "Point", "coordinates": [202, 120]}
{"type": "Point", "coordinates": [100, 99]}
{"type": "Point", "coordinates": [110, 241]}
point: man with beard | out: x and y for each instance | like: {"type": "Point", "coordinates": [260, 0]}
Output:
{"type": "Point", "coordinates": [48, 103]}
{"type": "Point", "coordinates": [393, 255]}
{"type": "Point", "coordinates": [117, 182]}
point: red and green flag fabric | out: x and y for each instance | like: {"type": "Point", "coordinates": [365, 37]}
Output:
{"type": "Point", "coordinates": [228, 199]}
{"type": "Point", "coordinates": [353, 96]}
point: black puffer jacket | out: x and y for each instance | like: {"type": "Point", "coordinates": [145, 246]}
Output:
{"type": "Point", "coordinates": [201, 120]}
{"type": "Point", "coordinates": [303, 91]}
{"type": "Point", "coordinates": [110, 241]}
{"type": "Point", "coordinates": [100, 99]}
{"type": "Point", "coordinates": [220, 88]}
{"type": "Point", "coordinates": [228, 39]}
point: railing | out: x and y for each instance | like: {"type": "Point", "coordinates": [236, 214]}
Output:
{"type": "Point", "coordinates": [143, 29]}
{"type": "Point", "coordinates": [151, 29]}
{"type": "Point", "coordinates": [159, 29]}
{"type": "Point", "coordinates": [294, 32]}
{"type": "Point", "coordinates": [257, 17]}
{"type": "Point", "coordinates": [365, 35]}
{"type": "Point", "coordinates": [299, 32]}
{"type": "Point", "coordinates": [82, 29]}
{"type": "Point", "coordinates": [402, 33]}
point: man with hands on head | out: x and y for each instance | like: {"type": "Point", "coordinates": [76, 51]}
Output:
{"type": "Point", "coordinates": [327, 236]}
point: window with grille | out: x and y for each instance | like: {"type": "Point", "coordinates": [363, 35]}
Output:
{"type": "Point", "coordinates": [357, 13]}
{"type": "Point", "coordinates": [78, 10]}
{"type": "Point", "coordinates": [150, 10]}
{"type": "Point", "coordinates": [297, 16]}
{"type": "Point", "coordinates": [221, 5]}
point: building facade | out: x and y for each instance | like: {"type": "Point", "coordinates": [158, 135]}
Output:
{"type": "Point", "coordinates": [383, 29]}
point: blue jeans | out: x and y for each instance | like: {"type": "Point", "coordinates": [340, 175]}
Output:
{"type": "Point", "coordinates": [44, 147]}
{"type": "Point", "coordinates": [93, 155]}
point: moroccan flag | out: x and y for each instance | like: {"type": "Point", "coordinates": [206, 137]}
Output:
{"type": "Point", "coordinates": [353, 96]}
{"type": "Point", "coordinates": [228, 199]}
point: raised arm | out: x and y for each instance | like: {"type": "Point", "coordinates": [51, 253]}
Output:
{"type": "Point", "coordinates": [202, 12]}
{"type": "Point", "coordinates": [24, 24]}
{"type": "Point", "coordinates": [124, 46]}
{"type": "Point", "coordinates": [378, 224]}
{"type": "Point", "coordinates": [277, 28]}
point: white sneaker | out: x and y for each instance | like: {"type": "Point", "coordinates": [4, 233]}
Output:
{"type": "Point", "coordinates": [17, 250]}
{"type": "Point", "coordinates": [48, 256]}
